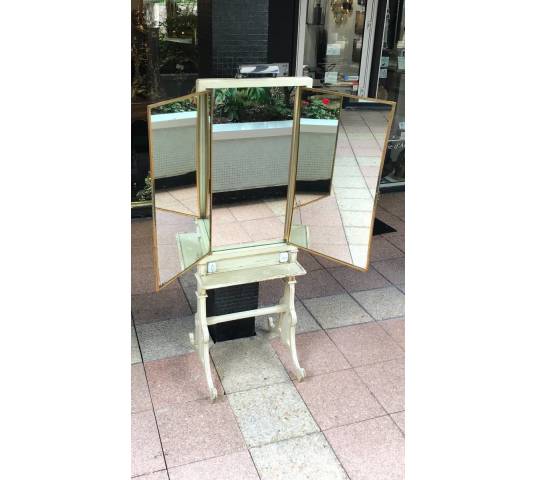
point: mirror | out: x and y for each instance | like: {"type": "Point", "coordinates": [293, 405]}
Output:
{"type": "Point", "coordinates": [337, 218]}
{"type": "Point", "coordinates": [251, 151]}
{"type": "Point", "coordinates": [181, 226]}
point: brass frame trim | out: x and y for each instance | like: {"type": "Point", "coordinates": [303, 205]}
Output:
{"type": "Point", "coordinates": [382, 160]}
{"type": "Point", "coordinates": [198, 96]}
{"type": "Point", "coordinates": [204, 147]}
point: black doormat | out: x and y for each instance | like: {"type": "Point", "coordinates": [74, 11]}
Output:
{"type": "Point", "coordinates": [381, 227]}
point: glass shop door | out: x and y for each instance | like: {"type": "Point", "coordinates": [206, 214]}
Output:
{"type": "Point", "coordinates": [388, 83]}
{"type": "Point", "coordinates": [338, 43]}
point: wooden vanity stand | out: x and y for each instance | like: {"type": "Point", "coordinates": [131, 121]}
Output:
{"type": "Point", "coordinates": [239, 266]}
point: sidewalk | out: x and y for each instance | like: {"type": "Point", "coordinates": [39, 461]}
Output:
{"type": "Point", "coordinates": [345, 420]}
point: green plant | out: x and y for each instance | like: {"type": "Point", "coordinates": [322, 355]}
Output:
{"type": "Point", "coordinates": [147, 192]}
{"type": "Point", "coordinates": [324, 109]}
{"type": "Point", "coordinates": [181, 106]}
{"type": "Point", "coordinates": [251, 105]}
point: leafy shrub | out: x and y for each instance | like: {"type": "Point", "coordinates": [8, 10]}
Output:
{"type": "Point", "coordinates": [252, 104]}
{"type": "Point", "coordinates": [324, 109]}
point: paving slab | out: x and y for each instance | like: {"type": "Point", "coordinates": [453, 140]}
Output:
{"type": "Point", "coordinates": [386, 381]}
{"type": "Point", "coordinates": [135, 355]}
{"type": "Point", "coordinates": [304, 458]}
{"type": "Point", "coordinates": [317, 283]}
{"type": "Point", "coordinates": [146, 452]}
{"type": "Point", "coordinates": [395, 327]}
{"type": "Point", "coordinates": [338, 398]}
{"type": "Point", "coordinates": [197, 431]}
{"type": "Point", "coordinates": [271, 414]}
{"type": "Point", "coordinates": [392, 269]}
{"type": "Point", "coordinates": [355, 281]}
{"type": "Point", "coordinates": [236, 466]}
{"type": "Point", "coordinates": [382, 303]}
{"type": "Point", "coordinates": [140, 399]}
{"type": "Point", "coordinates": [247, 363]}
{"type": "Point", "coordinates": [316, 353]}
{"type": "Point", "coordinates": [337, 311]}
{"type": "Point", "coordinates": [365, 344]}
{"type": "Point", "coordinates": [370, 450]}
{"type": "Point", "coordinates": [177, 380]}
{"type": "Point", "coordinates": [163, 305]}
{"type": "Point", "coordinates": [166, 338]}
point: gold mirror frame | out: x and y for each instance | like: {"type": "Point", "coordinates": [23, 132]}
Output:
{"type": "Point", "coordinates": [202, 168]}
{"type": "Point", "coordinates": [294, 167]}
{"type": "Point", "coordinates": [203, 160]}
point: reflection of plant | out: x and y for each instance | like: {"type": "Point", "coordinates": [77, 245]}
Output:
{"type": "Point", "coordinates": [251, 104]}
{"type": "Point", "coordinates": [182, 106]}
{"type": "Point", "coordinates": [147, 192]}
{"type": "Point", "coordinates": [324, 109]}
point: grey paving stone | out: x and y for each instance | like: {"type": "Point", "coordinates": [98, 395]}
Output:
{"type": "Point", "coordinates": [163, 305]}
{"type": "Point", "coordinates": [393, 269]}
{"type": "Point", "coordinates": [166, 338]}
{"type": "Point", "coordinates": [308, 261]}
{"type": "Point", "coordinates": [271, 291]}
{"type": "Point", "coordinates": [382, 249]}
{"type": "Point", "coordinates": [189, 286]}
{"type": "Point", "coordinates": [382, 303]}
{"type": "Point", "coordinates": [271, 414]}
{"type": "Point", "coordinates": [318, 283]}
{"type": "Point", "coordinates": [397, 239]}
{"type": "Point", "coordinates": [306, 323]}
{"type": "Point", "coordinates": [303, 458]}
{"type": "Point", "coordinates": [135, 356]}
{"type": "Point", "coordinates": [337, 311]}
{"type": "Point", "coordinates": [247, 363]}
{"type": "Point", "coordinates": [355, 281]}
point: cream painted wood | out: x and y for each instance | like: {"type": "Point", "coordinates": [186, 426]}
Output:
{"type": "Point", "coordinates": [203, 84]}
{"type": "Point", "coordinates": [241, 266]}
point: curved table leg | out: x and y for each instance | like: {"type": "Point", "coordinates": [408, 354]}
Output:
{"type": "Point", "coordinates": [287, 326]}
{"type": "Point", "coordinates": [200, 339]}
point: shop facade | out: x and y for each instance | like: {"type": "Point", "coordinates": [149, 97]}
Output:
{"type": "Point", "coordinates": [358, 47]}
{"type": "Point", "coordinates": [354, 46]}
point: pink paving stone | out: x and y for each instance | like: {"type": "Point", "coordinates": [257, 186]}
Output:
{"type": "Point", "coordinates": [229, 234]}
{"type": "Point", "coordinates": [198, 430]}
{"type": "Point", "coordinates": [139, 392]}
{"type": "Point", "coordinates": [179, 379]}
{"type": "Point", "coordinates": [338, 398]}
{"type": "Point", "coordinates": [264, 229]}
{"type": "Point", "coordinates": [161, 475]}
{"type": "Point", "coordinates": [386, 382]}
{"type": "Point", "coordinates": [251, 211]}
{"type": "Point", "coordinates": [365, 343]}
{"type": "Point", "coordinates": [237, 466]}
{"type": "Point", "coordinates": [370, 450]}
{"type": "Point", "coordinates": [146, 450]}
{"type": "Point", "coordinates": [400, 419]}
{"type": "Point", "coordinates": [316, 352]}
{"type": "Point", "coordinates": [396, 328]}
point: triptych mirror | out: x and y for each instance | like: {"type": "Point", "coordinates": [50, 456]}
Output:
{"type": "Point", "coordinates": [234, 167]}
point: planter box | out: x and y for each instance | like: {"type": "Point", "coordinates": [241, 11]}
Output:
{"type": "Point", "coordinates": [245, 156]}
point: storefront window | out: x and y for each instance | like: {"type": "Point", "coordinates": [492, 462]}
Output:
{"type": "Point", "coordinates": [334, 42]}
{"type": "Point", "coordinates": [391, 86]}
{"type": "Point", "coordinates": [164, 64]}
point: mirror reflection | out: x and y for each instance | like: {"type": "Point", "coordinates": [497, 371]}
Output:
{"type": "Point", "coordinates": [173, 144]}
{"type": "Point", "coordinates": [339, 223]}
{"type": "Point", "coordinates": [251, 151]}
{"type": "Point", "coordinates": [181, 233]}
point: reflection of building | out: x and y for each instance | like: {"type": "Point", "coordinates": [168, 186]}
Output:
{"type": "Point", "coordinates": [355, 47]}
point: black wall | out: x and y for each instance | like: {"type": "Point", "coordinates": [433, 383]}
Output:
{"type": "Point", "coordinates": [234, 32]}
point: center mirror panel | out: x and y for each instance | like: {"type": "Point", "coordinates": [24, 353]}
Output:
{"type": "Point", "coordinates": [251, 151]}
{"type": "Point", "coordinates": [181, 226]}
{"type": "Point", "coordinates": [338, 222]}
